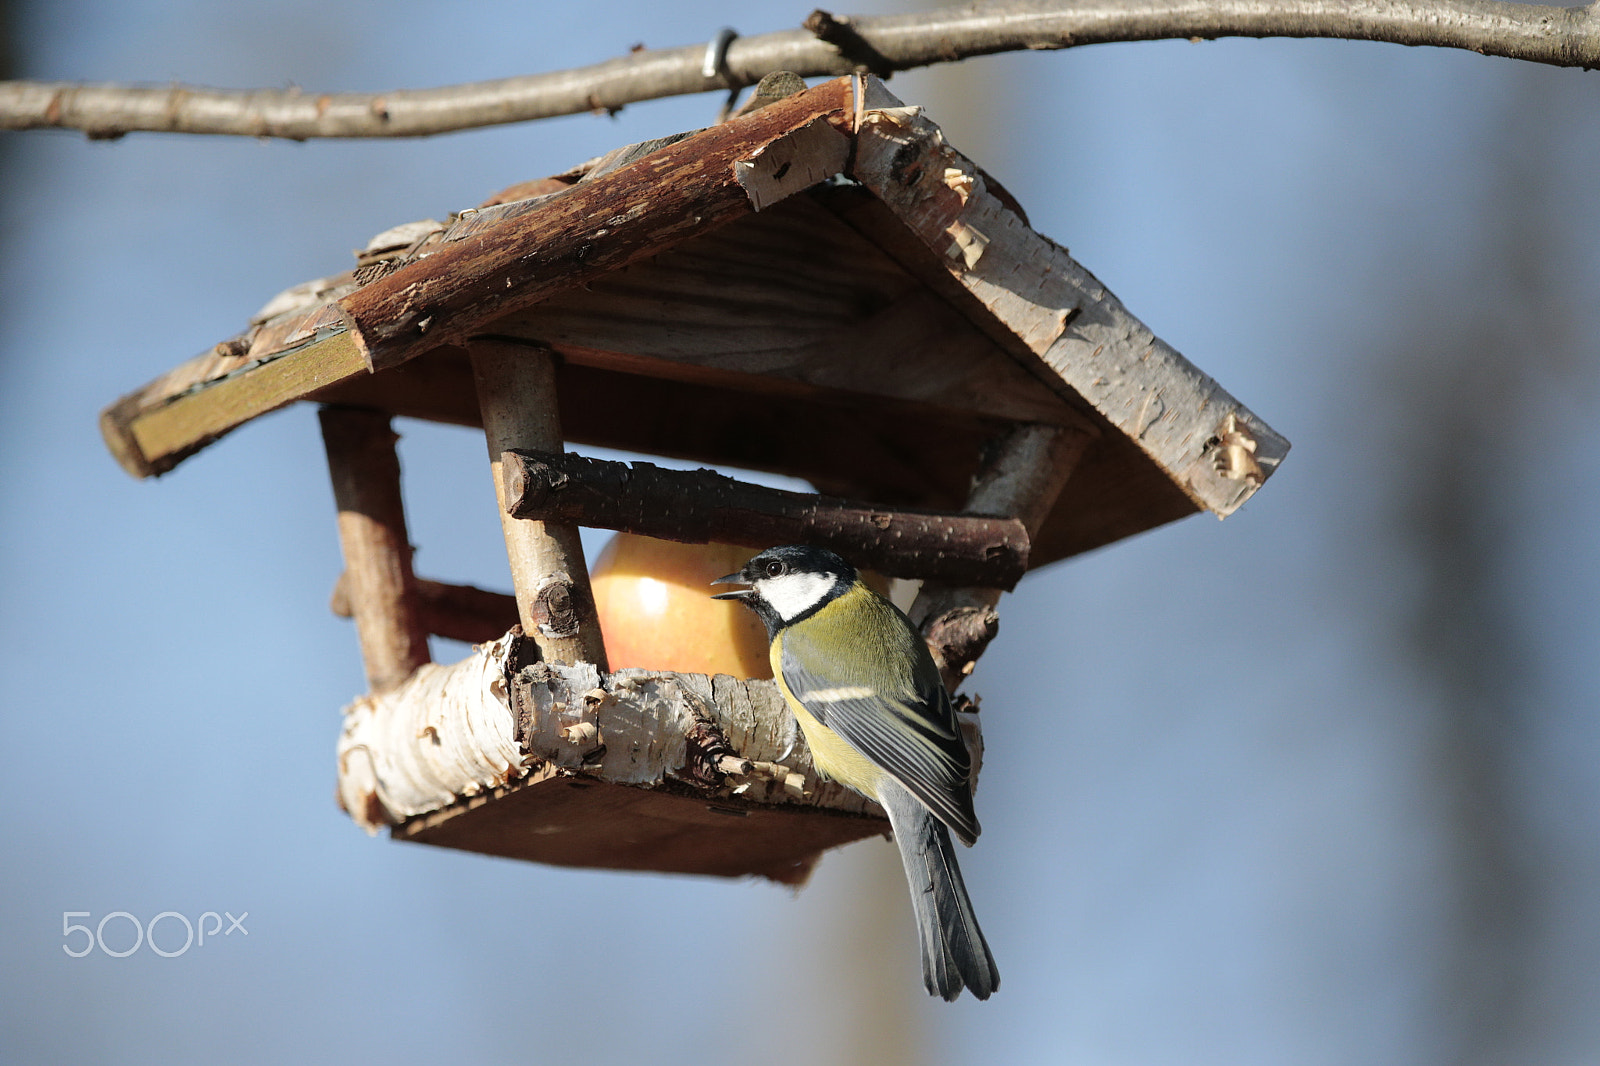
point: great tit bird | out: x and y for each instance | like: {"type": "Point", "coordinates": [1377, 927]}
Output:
{"type": "Point", "coordinates": [877, 718]}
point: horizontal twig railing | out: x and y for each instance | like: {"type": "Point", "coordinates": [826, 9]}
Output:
{"type": "Point", "coordinates": [698, 506]}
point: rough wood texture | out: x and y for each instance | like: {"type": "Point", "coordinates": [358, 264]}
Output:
{"type": "Point", "coordinates": [702, 505]}
{"type": "Point", "coordinates": [1063, 316]}
{"type": "Point", "coordinates": [458, 612]}
{"type": "Point", "coordinates": [477, 273]}
{"type": "Point", "coordinates": [780, 319]}
{"type": "Point", "coordinates": [1022, 478]}
{"type": "Point", "coordinates": [904, 453]}
{"type": "Point", "coordinates": [787, 300]}
{"type": "Point", "coordinates": [573, 821]}
{"type": "Point", "coordinates": [446, 281]}
{"type": "Point", "coordinates": [372, 535]}
{"type": "Point", "coordinates": [831, 336]}
{"type": "Point", "coordinates": [152, 430]}
{"type": "Point", "coordinates": [634, 770]}
{"type": "Point", "coordinates": [517, 399]}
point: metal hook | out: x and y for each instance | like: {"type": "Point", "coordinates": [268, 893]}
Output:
{"type": "Point", "coordinates": [716, 65]}
{"type": "Point", "coordinates": [716, 61]}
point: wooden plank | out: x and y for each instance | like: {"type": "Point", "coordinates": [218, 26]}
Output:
{"type": "Point", "coordinates": [473, 277]}
{"type": "Point", "coordinates": [153, 439]}
{"type": "Point", "coordinates": [1064, 317]}
{"type": "Point", "coordinates": [894, 452]}
{"type": "Point", "coordinates": [572, 821]}
{"type": "Point", "coordinates": [116, 421]}
{"type": "Point", "coordinates": [790, 297]}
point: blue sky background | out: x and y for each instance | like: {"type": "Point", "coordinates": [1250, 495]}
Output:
{"type": "Point", "coordinates": [1315, 785]}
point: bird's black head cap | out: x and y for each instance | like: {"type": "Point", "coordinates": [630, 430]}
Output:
{"type": "Point", "coordinates": [784, 561]}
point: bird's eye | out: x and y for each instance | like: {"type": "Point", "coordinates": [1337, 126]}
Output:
{"type": "Point", "coordinates": [776, 569]}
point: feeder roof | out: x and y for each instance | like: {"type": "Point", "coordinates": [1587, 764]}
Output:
{"type": "Point", "coordinates": [823, 288]}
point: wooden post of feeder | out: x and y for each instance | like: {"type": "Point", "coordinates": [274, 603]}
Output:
{"type": "Point", "coordinates": [1021, 479]}
{"type": "Point", "coordinates": [379, 584]}
{"type": "Point", "coordinates": [517, 398]}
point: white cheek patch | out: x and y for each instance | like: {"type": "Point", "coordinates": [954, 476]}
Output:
{"type": "Point", "coordinates": [794, 594]}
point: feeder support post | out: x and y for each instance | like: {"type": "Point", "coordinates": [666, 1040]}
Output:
{"type": "Point", "coordinates": [380, 586]}
{"type": "Point", "coordinates": [516, 385]}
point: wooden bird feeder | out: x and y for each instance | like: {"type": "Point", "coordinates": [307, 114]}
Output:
{"type": "Point", "coordinates": [822, 288]}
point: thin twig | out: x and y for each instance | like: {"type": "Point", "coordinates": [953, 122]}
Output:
{"type": "Point", "coordinates": [1566, 37]}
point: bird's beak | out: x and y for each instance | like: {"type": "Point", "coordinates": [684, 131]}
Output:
{"type": "Point", "coordinates": [736, 578]}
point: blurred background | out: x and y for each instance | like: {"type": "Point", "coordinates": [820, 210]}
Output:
{"type": "Point", "coordinates": [1315, 785]}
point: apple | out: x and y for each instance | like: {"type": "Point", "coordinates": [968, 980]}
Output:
{"type": "Point", "coordinates": [656, 611]}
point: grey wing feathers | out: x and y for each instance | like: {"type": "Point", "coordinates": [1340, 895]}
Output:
{"type": "Point", "coordinates": [909, 730]}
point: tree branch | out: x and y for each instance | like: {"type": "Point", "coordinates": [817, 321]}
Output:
{"type": "Point", "coordinates": [1564, 37]}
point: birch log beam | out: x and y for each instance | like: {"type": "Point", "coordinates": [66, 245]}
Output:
{"type": "Point", "coordinates": [701, 506]}
{"type": "Point", "coordinates": [1022, 478]}
{"type": "Point", "coordinates": [638, 770]}
{"type": "Point", "coordinates": [517, 397]}
{"type": "Point", "coordinates": [379, 582]}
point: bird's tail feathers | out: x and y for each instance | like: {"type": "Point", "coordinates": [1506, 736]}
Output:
{"type": "Point", "coordinates": [954, 953]}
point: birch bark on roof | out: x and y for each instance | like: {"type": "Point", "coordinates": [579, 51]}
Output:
{"type": "Point", "coordinates": [1074, 332]}
{"type": "Point", "coordinates": [691, 186]}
